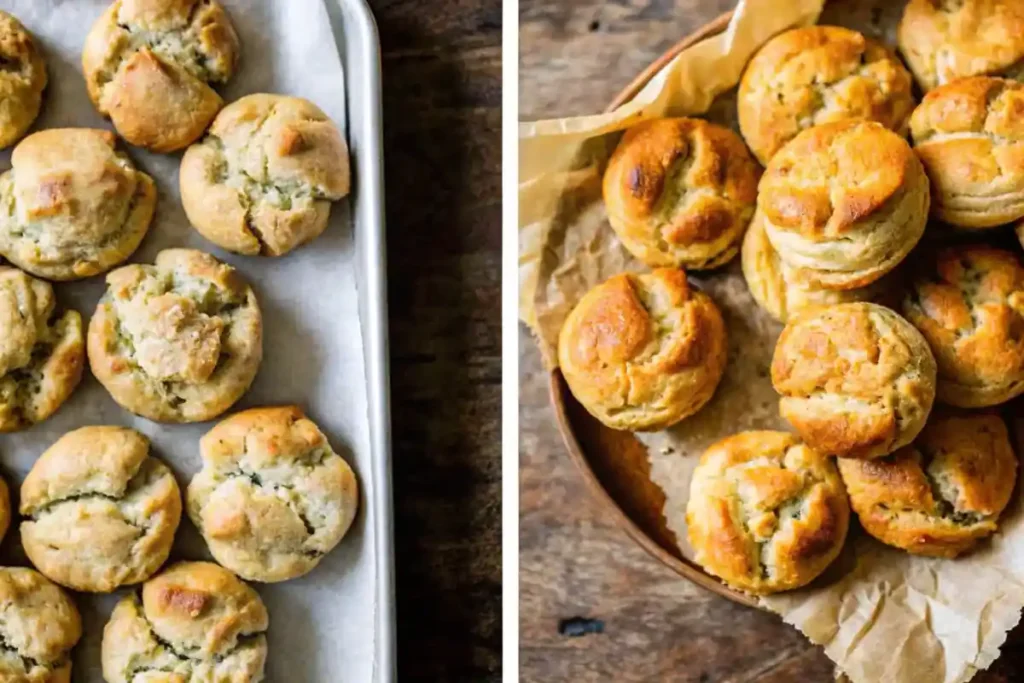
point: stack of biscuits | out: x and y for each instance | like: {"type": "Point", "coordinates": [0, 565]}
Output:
{"type": "Point", "coordinates": [890, 370]}
{"type": "Point", "coordinates": [176, 341]}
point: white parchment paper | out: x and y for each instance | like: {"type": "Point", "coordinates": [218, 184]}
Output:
{"type": "Point", "coordinates": [321, 625]}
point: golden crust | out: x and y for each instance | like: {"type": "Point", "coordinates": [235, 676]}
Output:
{"type": "Point", "coordinates": [22, 80]}
{"type": "Point", "coordinates": [844, 202]}
{"type": "Point", "coordinates": [263, 179]}
{"type": "Point", "coordinates": [40, 627]}
{"type": "Point", "coordinates": [818, 74]}
{"type": "Point", "coordinates": [272, 498]}
{"type": "Point", "coordinates": [856, 380]}
{"type": "Point", "coordinates": [196, 619]}
{"type": "Point", "coordinates": [641, 352]}
{"type": "Point", "coordinates": [178, 341]}
{"type": "Point", "coordinates": [945, 41]}
{"type": "Point", "coordinates": [148, 66]}
{"type": "Point", "coordinates": [99, 511]}
{"type": "Point", "coordinates": [970, 136]}
{"type": "Point", "coordinates": [941, 494]}
{"type": "Point", "coordinates": [680, 192]}
{"type": "Point", "coordinates": [766, 512]}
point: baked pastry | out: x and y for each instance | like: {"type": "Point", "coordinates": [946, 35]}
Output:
{"type": "Point", "coordinates": [263, 179]}
{"type": "Point", "coordinates": [680, 192]}
{"type": "Point", "coordinates": [74, 205]}
{"type": "Point", "coordinates": [99, 511]}
{"type": "Point", "coordinates": [844, 202]}
{"type": "Point", "coordinates": [39, 627]}
{"type": "Point", "coordinates": [272, 498]}
{"type": "Point", "coordinates": [178, 341]}
{"type": "Point", "coordinates": [817, 74]}
{"type": "Point", "coordinates": [195, 621]}
{"type": "Point", "coordinates": [42, 352]}
{"type": "Point", "coordinates": [149, 66]}
{"type": "Point", "coordinates": [766, 512]}
{"type": "Point", "coordinates": [641, 352]}
{"type": "Point", "coordinates": [5, 509]}
{"type": "Point", "coordinates": [941, 494]}
{"type": "Point", "coordinates": [856, 380]}
{"type": "Point", "coordinates": [970, 308]}
{"type": "Point", "coordinates": [944, 41]}
{"type": "Point", "coordinates": [22, 80]}
{"type": "Point", "coordinates": [970, 136]}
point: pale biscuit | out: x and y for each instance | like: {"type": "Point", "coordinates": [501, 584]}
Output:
{"type": "Point", "coordinates": [22, 80]}
{"type": "Point", "coordinates": [40, 626]}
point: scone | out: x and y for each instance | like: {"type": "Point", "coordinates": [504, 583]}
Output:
{"type": "Point", "coordinates": [263, 179]}
{"type": "Point", "coordinates": [844, 202]}
{"type": "Point", "coordinates": [39, 627]}
{"type": "Point", "coordinates": [149, 66]}
{"type": "Point", "coordinates": [941, 494]}
{"type": "Point", "coordinates": [944, 41]}
{"type": "Point", "coordinates": [178, 341]}
{"type": "Point", "coordinates": [195, 621]}
{"type": "Point", "coordinates": [74, 205]}
{"type": "Point", "coordinates": [680, 192]}
{"type": "Point", "coordinates": [970, 308]}
{"type": "Point", "coordinates": [818, 74]}
{"type": "Point", "coordinates": [641, 352]}
{"type": "Point", "coordinates": [22, 80]}
{"type": "Point", "coordinates": [272, 498]}
{"type": "Point", "coordinates": [766, 512]}
{"type": "Point", "coordinates": [42, 351]}
{"type": "Point", "coordinates": [970, 136]}
{"type": "Point", "coordinates": [856, 380]}
{"type": "Point", "coordinates": [99, 511]}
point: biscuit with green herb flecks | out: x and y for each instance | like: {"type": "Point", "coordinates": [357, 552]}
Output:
{"type": "Point", "coordinates": [22, 79]}
{"type": "Point", "coordinates": [40, 626]}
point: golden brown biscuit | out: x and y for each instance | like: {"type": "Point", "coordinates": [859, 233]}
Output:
{"type": "Point", "coordinates": [76, 206]}
{"type": "Point", "coordinates": [99, 511]}
{"type": "Point", "coordinates": [178, 341]}
{"type": "Point", "coordinates": [844, 202]}
{"type": "Point", "coordinates": [196, 621]}
{"type": "Point", "coordinates": [42, 352]}
{"type": "Point", "coordinates": [39, 627]}
{"type": "Point", "coordinates": [22, 80]}
{"type": "Point", "coordinates": [766, 513]}
{"type": "Point", "coordinates": [970, 308]}
{"type": "Point", "coordinates": [970, 136]}
{"type": "Point", "coordinates": [680, 192]}
{"type": "Point", "coordinates": [944, 41]}
{"type": "Point", "coordinates": [272, 498]}
{"type": "Point", "coordinates": [856, 380]}
{"type": "Point", "coordinates": [148, 65]}
{"type": "Point", "coordinates": [941, 494]}
{"type": "Point", "coordinates": [641, 352]}
{"type": "Point", "coordinates": [263, 179]}
{"type": "Point", "coordinates": [818, 74]}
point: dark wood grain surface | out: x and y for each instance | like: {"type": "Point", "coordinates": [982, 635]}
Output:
{"type": "Point", "coordinates": [442, 149]}
{"type": "Point", "coordinates": [575, 56]}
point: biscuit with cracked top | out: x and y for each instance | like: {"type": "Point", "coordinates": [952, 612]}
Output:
{"type": "Point", "coordinates": [22, 79]}
{"type": "Point", "coordinates": [39, 628]}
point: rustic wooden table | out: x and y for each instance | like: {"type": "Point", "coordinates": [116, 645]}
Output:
{"type": "Point", "coordinates": [575, 56]}
{"type": "Point", "coordinates": [442, 154]}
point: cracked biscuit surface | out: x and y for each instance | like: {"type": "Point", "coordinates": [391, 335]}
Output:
{"type": "Point", "coordinates": [641, 352]}
{"type": "Point", "coordinates": [766, 512]}
{"type": "Point", "coordinates": [22, 80]}
{"type": "Point", "coordinates": [818, 74]}
{"type": "Point", "coordinates": [149, 65]}
{"type": "Point", "coordinates": [72, 205]}
{"type": "Point", "coordinates": [272, 498]}
{"type": "Point", "coordinates": [178, 341]}
{"type": "Point", "coordinates": [195, 621]}
{"type": "Point", "coordinates": [39, 626]}
{"type": "Point", "coordinates": [680, 192]}
{"type": "Point", "coordinates": [263, 179]}
{"type": "Point", "coordinates": [100, 512]}
{"type": "Point", "coordinates": [42, 352]}
{"type": "Point", "coordinates": [941, 494]}
{"type": "Point", "coordinates": [856, 379]}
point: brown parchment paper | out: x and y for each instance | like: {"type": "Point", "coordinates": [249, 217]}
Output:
{"type": "Point", "coordinates": [880, 614]}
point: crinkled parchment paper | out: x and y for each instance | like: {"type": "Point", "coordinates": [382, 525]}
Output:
{"type": "Point", "coordinates": [882, 615]}
{"type": "Point", "coordinates": [321, 625]}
